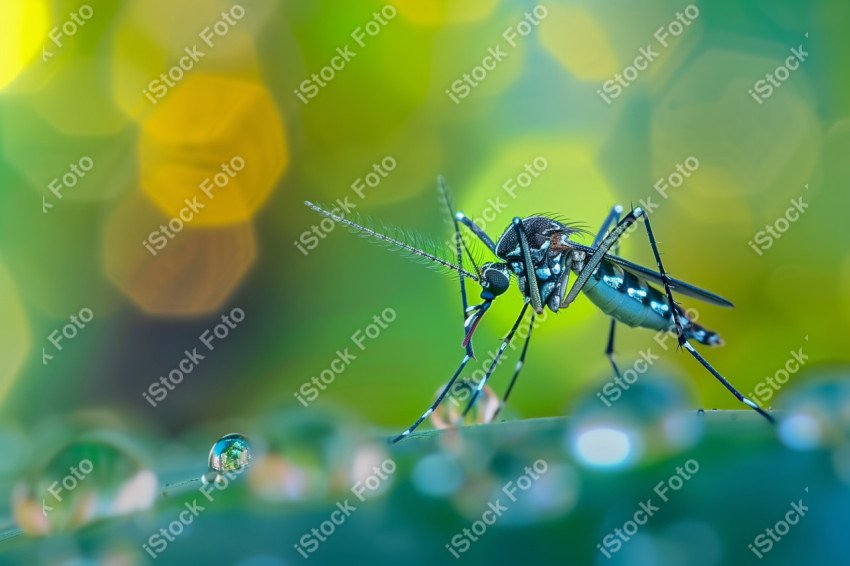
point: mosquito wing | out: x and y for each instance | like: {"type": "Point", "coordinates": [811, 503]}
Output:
{"type": "Point", "coordinates": [678, 286]}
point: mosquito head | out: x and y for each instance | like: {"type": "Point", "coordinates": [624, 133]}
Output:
{"type": "Point", "coordinates": [541, 232]}
{"type": "Point", "coordinates": [495, 279]}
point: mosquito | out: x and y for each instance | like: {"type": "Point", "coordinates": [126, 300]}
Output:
{"type": "Point", "coordinates": [540, 252]}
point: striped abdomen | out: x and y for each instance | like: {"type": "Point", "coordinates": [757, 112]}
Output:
{"type": "Point", "coordinates": [632, 301]}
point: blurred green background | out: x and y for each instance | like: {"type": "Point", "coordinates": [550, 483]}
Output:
{"type": "Point", "coordinates": [100, 148]}
{"type": "Point", "coordinates": [246, 249]}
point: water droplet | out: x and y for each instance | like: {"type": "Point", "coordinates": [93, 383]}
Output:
{"type": "Point", "coordinates": [438, 474]}
{"type": "Point", "coordinates": [648, 420]}
{"type": "Point", "coordinates": [605, 446]}
{"type": "Point", "coordinates": [449, 413]}
{"type": "Point", "coordinates": [818, 413]}
{"type": "Point", "coordinates": [91, 477]}
{"type": "Point", "coordinates": [230, 453]}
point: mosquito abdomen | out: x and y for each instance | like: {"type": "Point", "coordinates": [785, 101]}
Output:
{"type": "Point", "coordinates": [634, 302]}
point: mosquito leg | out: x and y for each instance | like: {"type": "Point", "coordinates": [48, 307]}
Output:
{"type": "Point", "coordinates": [473, 227]}
{"type": "Point", "coordinates": [683, 341]}
{"type": "Point", "coordinates": [726, 384]}
{"type": "Point", "coordinates": [437, 402]}
{"type": "Point", "coordinates": [495, 362]}
{"type": "Point", "coordinates": [665, 279]}
{"type": "Point", "coordinates": [530, 274]}
{"type": "Point", "coordinates": [519, 365]}
{"type": "Point", "coordinates": [612, 218]}
{"type": "Point", "coordinates": [591, 265]}
{"type": "Point", "coordinates": [609, 349]}
{"type": "Point", "coordinates": [593, 262]}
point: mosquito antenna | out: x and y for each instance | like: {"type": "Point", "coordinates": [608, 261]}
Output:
{"type": "Point", "coordinates": [469, 255]}
{"type": "Point", "coordinates": [370, 233]}
{"type": "Point", "coordinates": [447, 202]}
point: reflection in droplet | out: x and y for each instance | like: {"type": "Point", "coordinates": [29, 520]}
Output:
{"type": "Point", "coordinates": [95, 476]}
{"type": "Point", "coordinates": [230, 453]}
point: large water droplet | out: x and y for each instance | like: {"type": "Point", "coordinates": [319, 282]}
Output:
{"type": "Point", "coordinates": [818, 413]}
{"type": "Point", "coordinates": [91, 477]}
{"type": "Point", "coordinates": [648, 420]}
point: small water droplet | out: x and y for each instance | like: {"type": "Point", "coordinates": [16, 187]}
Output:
{"type": "Point", "coordinates": [230, 453]}
{"type": "Point", "coordinates": [700, 412]}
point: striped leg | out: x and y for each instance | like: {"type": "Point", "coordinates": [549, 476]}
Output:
{"type": "Point", "coordinates": [473, 227]}
{"type": "Point", "coordinates": [591, 264]}
{"type": "Point", "coordinates": [683, 340]}
{"type": "Point", "coordinates": [519, 365]}
{"type": "Point", "coordinates": [495, 361]}
{"type": "Point", "coordinates": [437, 402]}
{"type": "Point", "coordinates": [612, 218]}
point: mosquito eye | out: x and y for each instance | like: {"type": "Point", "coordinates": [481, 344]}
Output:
{"type": "Point", "coordinates": [497, 279]}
